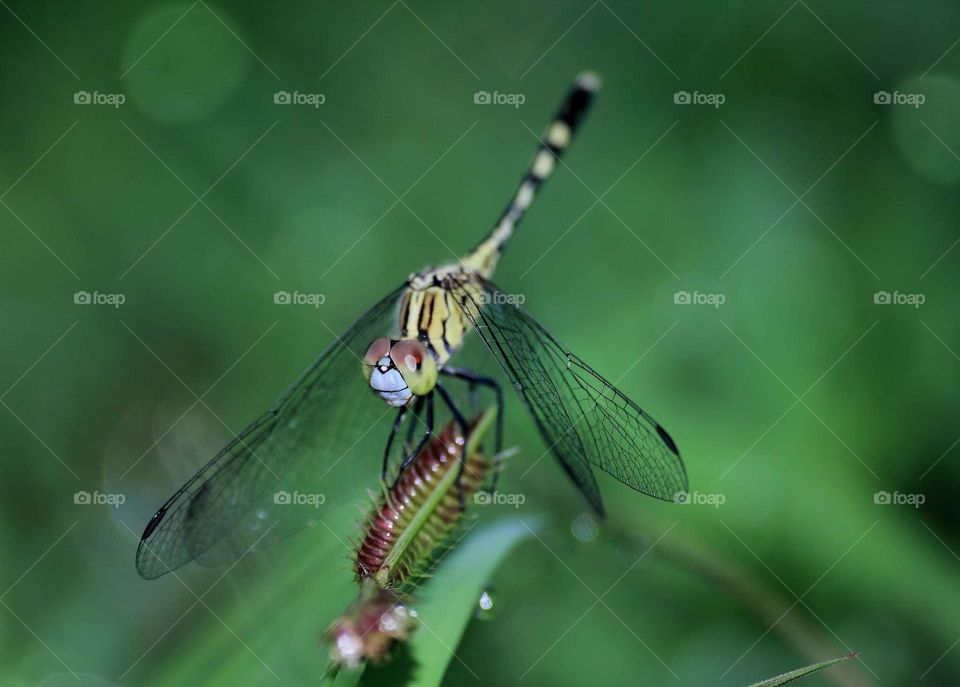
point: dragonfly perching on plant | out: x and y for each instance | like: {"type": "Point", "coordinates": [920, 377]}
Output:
{"type": "Point", "coordinates": [406, 343]}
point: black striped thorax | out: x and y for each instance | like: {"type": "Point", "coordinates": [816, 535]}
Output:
{"type": "Point", "coordinates": [431, 308]}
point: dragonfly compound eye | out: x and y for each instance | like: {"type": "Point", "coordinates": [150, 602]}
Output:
{"type": "Point", "coordinates": [380, 348]}
{"type": "Point", "coordinates": [408, 354]}
{"type": "Point", "coordinates": [415, 363]}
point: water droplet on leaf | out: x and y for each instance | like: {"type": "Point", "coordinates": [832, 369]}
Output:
{"type": "Point", "coordinates": [485, 604]}
{"type": "Point", "coordinates": [584, 527]}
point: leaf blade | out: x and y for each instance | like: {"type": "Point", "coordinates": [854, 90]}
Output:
{"type": "Point", "coordinates": [446, 604]}
{"type": "Point", "coordinates": [802, 672]}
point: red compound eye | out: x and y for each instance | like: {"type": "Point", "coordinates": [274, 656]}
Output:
{"type": "Point", "coordinates": [378, 349]}
{"type": "Point", "coordinates": [408, 354]}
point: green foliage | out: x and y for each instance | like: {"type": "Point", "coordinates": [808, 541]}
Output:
{"type": "Point", "coordinates": [448, 600]}
{"type": "Point", "coordinates": [87, 207]}
{"type": "Point", "coordinates": [801, 672]}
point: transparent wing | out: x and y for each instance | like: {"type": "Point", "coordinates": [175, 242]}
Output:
{"type": "Point", "coordinates": [583, 418]}
{"type": "Point", "coordinates": [315, 449]}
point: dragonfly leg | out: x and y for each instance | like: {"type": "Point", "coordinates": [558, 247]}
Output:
{"type": "Point", "coordinates": [409, 458]}
{"type": "Point", "coordinates": [412, 425]}
{"type": "Point", "coordinates": [474, 403]}
{"type": "Point", "coordinates": [464, 430]}
{"type": "Point", "coordinates": [475, 380]}
{"type": "Point", "coordinates": [393, 433]}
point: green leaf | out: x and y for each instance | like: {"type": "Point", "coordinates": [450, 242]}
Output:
{"type": "Point", "coordinates": [446, 601]}
{"type": "Point", "coordinates": [336, 677]}
{"type": "Point", "coordinates": [344, 678]}
{"type": "Point", "coordinates": [802, 672]}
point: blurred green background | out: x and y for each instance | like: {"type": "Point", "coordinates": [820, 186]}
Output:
{"type": "Point", "coordinates": [795, 401]}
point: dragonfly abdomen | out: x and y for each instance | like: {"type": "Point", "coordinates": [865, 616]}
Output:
{"type": "Point", "coordinates": [483, 259]}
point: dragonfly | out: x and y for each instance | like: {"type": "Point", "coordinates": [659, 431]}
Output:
{"type": "Point", "coordinates": [405, 346]}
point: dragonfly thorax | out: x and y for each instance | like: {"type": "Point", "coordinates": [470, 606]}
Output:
{"type": "Point", "coordinates": [432, 308]}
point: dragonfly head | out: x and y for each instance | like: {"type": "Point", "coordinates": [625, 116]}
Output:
{"type": "Point", "coordinates": [399, 370]}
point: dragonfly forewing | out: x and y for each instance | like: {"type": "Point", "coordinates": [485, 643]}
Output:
{"type": "Point", "coordinates": [313, 451]}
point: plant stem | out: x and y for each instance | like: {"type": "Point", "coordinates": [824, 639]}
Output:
{"type": "Point", "coordinates": [772, 608]}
